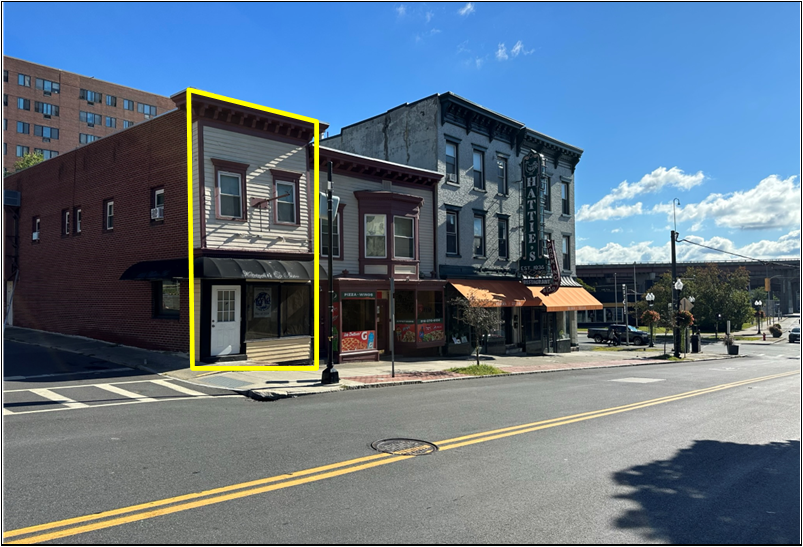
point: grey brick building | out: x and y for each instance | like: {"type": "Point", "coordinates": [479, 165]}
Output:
{"type": "Point", "coordinates": [479, 209]}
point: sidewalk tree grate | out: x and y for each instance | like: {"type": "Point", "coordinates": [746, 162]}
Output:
{"type": "Point", "coordinates": [404, 447]}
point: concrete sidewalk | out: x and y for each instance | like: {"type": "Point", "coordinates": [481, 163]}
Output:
{"type": "Point", "coordinates": [268, 385]}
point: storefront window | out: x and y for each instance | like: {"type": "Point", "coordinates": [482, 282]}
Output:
{"type": "Point", "coordinates": [262, 311]}
{"type": "Point", "coordinates": [272, 306]}
{"type": "Point", "coordinates": [405, 316]}
{"type": "Point", "coordinates": [358, 315]}
{"type": "Point", "coordinates": [295, 310]}
{"type": "Point", "coordinates": [430, 317]}
{"type": "Point", "coordinates": [359, 321]}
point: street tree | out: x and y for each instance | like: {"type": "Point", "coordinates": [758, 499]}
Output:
{"type": "Point", "coordinates": [481, 320]}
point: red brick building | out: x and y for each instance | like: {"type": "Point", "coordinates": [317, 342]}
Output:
{"type": "Point", "coordinates": [69, 275]}
{"type": "Point", "coordinates": [53, 111]}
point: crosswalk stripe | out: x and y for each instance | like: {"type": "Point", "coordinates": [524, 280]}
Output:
{"type": "Point", "coordinates": [179, 388]}
{"type": "Point", "coordinates": [53, 396]}
{"type": "Point", "coordinates": [132, 402]}
{"type": "Point", "coordinates": [6, 411]}
{"type": "Point", "coordinates": [125, 393]}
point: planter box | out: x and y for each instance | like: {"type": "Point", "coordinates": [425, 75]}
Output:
{"type": "Point", "coordinates": [733, 350]}
{"type": "Point", "coordinates": [565, 346]}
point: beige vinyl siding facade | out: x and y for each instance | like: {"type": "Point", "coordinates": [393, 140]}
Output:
{"type": "Point", "coordinates": [280, 350]}
{"type": "Point", "coordinates": [260, 232]}
{"type": "Point", "coordinates": [350, 223]}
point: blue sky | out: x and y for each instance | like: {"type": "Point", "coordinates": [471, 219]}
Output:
{"type": "Point", "coordinates": [694, 101]}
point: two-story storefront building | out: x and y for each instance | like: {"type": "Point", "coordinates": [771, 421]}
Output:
{"type": "Point", "coordinates": [384, 230]}
{"type": "Point", "coordinates": [478, 230]}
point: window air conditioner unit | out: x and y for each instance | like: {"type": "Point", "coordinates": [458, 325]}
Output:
{"type": "Point", "coordinates": [47, 116]}
{"type": "Point", "coordinates": [451, 177]}
{"type": "Point", "coordinates": [90, 102]}
{"type": "Point", "coordinates": [47, 93]}
{"type": "Point", "coordinates": [35, 236]}
{"type": "Point", "coordinates": [90, 124]}
{"type": "Point", "coordinates": [45, 139]}
{"type": "Point", "coordinates": [157, 213]}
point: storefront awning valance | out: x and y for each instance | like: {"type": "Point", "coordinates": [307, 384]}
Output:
{"type": "Point", "coordinates": [495, 294]}
{"type": "Point", "coordinates": [566, 299]}
{"type": "Point", "coordinates": [153, 270]}
{"type": "Point", "coordinates": [239, 268]}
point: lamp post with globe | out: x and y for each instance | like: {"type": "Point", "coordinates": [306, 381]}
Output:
{"type": "Point", "coordinates": [677, 287]}
{"type": "Point", "coordinates": [758, 304]}
{"type": "Point", "coordinates": [649, 297]}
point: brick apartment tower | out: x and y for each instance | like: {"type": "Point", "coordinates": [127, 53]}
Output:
{"type": "Point", "coordinates": [53, 111]}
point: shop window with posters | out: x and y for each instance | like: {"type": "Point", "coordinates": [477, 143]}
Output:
{"type": "Point", "coordinates": [405, 316]}
{"type": "Point", "coordinates": [430, 328]}
{"type": "Point", "coordinates": [358, 312]}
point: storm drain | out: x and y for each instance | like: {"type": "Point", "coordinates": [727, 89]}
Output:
{"type": "Point", "coordinates": [404, 447]}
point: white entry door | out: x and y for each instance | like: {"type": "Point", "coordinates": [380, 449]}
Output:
{"type": "Point", "coordinates": [225, 339]}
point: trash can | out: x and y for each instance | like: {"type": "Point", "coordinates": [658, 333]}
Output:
{"type": "Point", "coordinates": [695, 343]}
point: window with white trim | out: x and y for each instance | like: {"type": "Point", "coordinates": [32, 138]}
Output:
{"type": "Point", "coordinates": [335, 236]}
{"type": "Point", "coordinates": [452, 246]}
{"type": "Point", "coordinates": [108, 220]}
{"type": "Point", "coordinates": [65, 222]}
{"type": "Point", "coordinates": [375, 242]}
{"type": "Point", "coordinates": [77, 220]}
{"type": "Point", "coordinates": [479, 170]}
{"type": "Point", "coordinates": [230, 191]}
{"type": "Point", "coordinates": [451, 162]}
{"type": "Point", "coordinates": [479, 236]}
{"type": "Point", "coordinates": [403, 237]}
{"type": "Point", "coordinates": [286, 202]}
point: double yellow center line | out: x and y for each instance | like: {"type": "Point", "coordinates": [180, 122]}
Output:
{"type": "Point", "coordinates": [143, 511]}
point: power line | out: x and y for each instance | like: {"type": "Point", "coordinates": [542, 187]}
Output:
{"type": "Point", "coordinates": [735, 254]}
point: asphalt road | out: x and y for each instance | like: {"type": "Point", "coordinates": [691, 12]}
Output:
{"type": "Point", "coordinates": [705, 452]}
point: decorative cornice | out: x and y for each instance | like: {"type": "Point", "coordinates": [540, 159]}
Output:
{"type": "Point", "coordinates": [346, 163]}
{"type": "Point", "coordinates": [552, 149]}
{"type": "Point", "coordinates": [472, 117]}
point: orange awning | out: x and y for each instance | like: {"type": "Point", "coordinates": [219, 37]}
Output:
{"type": "Point", "coordinates": [566, 299]}
{"type": "Point", "coordinates": [496, 294]}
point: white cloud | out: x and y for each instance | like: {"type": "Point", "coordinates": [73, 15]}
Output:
{"type": "Point", "coordinates": [519, 48]}
{"type": "Point", "coordinates": [461, 47]}
{"type": "Point", "coordinates": [401, 10]}
{"type": "Point", "coordinates": [428, 16]}
{"type": "Point", "coordinates": [773, 203]}
{"type": "Point", "coordinates": [501, 53]}
{"type": "Point", "coordinates": [616, 231]}
{"type": "Point", "coordinates": [467, 9]}
{"type": "Point", "coordinates": [650, 183]}
{"type": "Point", "coordinates": [613, 253]}
{"type": "Point", "coordinates": [479, 61]}
{"type": "Point", "coordinates": [435, 31]}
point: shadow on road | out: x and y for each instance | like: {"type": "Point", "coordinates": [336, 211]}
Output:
{"type": "Point", "coordinates": [717, 492]}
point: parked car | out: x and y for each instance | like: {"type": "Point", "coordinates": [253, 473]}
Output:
{"type": "Point", "coordinates": [637, 337]}
{"type": "Point", "coordinates": [794, 334]}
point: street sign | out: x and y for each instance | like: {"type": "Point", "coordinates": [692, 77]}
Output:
{"type": "Point", "coordinates": [323, 207]}
{"type": "Point", "coordinates": [685, 305]}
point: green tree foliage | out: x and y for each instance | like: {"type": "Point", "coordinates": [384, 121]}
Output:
{"type": "Point", "coordinates": [586, 286]}
{"type": "Point", "coordinates": [718, 292]}
{"type": "Point", "coordinates": [28, 160]}
{"type": "Point", "coordinates": [482, 320]}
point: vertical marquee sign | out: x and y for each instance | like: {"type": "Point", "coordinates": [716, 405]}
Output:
{"type": "Point", "coordinates": [532, 262]}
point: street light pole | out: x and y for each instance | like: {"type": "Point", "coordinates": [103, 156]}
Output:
{"type": "Point", "coordinates": [758, 314]}
{"type": "Point", "coordinates": [675, 289]}
{"type": "Point", "coordinates": [650, 298]}
{"type": "Point", "coordinates": [329, 374]}
{"type": "Point", "coordinates": [624, 310]}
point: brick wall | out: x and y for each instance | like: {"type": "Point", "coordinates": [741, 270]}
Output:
{"type": "Point", "coordinates": [70, 283]}
{"type": "Point", "coordinates": [70, 106]}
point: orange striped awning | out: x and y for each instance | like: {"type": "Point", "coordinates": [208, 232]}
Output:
{"type": "Point", "coordinates": [495, 294]}
{"type": "Point", "coordinates": [566, 299]}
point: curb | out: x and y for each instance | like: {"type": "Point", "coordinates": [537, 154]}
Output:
{"type": "Point", "coordinates": [273, 395]}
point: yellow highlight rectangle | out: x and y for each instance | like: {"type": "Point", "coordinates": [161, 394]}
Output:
{"type": "Point", "coordinates": [316, 233]}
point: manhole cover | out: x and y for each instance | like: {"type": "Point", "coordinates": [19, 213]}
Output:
{"type": "Point", "coordinates": [404, 447]}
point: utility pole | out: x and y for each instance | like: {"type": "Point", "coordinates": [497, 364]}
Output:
{"type": "Point", "coordinates": [635, 295]}
{"type": "Point", "coordinates": [615, 301]}
{"type": "Point", "coordinates": [675, 329]}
